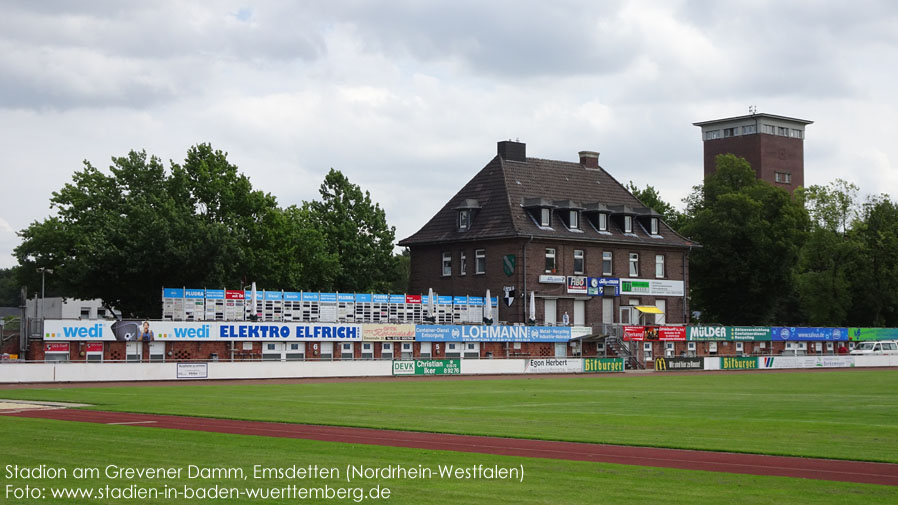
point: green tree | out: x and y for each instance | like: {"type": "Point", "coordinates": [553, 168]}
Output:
{"type": "Point", "coordinates": [123, 235]}
{"type": "Point", "coordinates": [10, 287]}
{"type": "Point", "coordinates": [875, 275]}
{"type": "Point", "coordinates": [751, 234]}
{"type": "Point", "coordinates": [824, 281]}
{"type": "Point", "coordinates": [356, 233]}
{"type": "Point", "coordinates": [652, 199]}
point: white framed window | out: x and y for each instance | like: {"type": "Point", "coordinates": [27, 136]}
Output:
{"type": "Point", "coordinates": [782, 131]}
{"type": "Point", "coordinates": [575, 220]}
{"type": "Point", "coordinates": [749, 129]}
{"type": "Point", "coordinates": [796, 134]}
{"type": "Point", "coordinates": [690, 346]}
{"type": "Point", "coordinates": [628, 224]}
{"type": "Point", "coordinates": [550, 260]}
{"type": "Point", "coordinates": [603, 221]}
{"type": "Point", "coordinates": [647, 346]}
{"type": "Point", "coordinates": [480, 261]}
{"type": "Point", "coordinates": [634, 264]}
{"type": "Point", "coordinates": [579, 261]}
{"type": "Point", "coordinates": [768, 128]}
{"type": "Point", "coordinates": [659, 266]}
{"type": "Point", "coordinates": [654, 226]}
{"type": "Point", "coordinates": [462, 263]}
{"type": "Point", "coordinates": [606, 263]}
{"type": "Point", "coordinates": [447, 264]}
{"type": "Point", "coordinates": [712, 134]}
{"type": "Point", "coordinates": [669, 346]}
{"type": "Point", "coordinates": [729, 132]}
{"type": "Point", "coordinates": [783, 177]}
{"type": "Point", "coordinates": [464, 219]}
{"type": "Point", "coordinates": [545, 217]}
{"type": "Point", "coordinates": [85, 312]}
{"type": "Point", "coordinates": [740, 347]}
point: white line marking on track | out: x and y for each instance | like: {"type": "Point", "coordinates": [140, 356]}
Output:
{"type": "Point", "coordinates": [134, 422]}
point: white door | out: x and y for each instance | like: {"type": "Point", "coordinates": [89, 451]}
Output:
{"type": "Point", "coordinates": [662, 317]}
{"type": "Point", "coordinates": [549, 310]}
{"type": "Point", "coordinates": [579, 312]}
{"type": "Point", "coordinates": [560, 350]}
{"type": "Point", "coordinates": [607, 310]}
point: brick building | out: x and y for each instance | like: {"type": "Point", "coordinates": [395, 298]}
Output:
{"type": "Point", "coordinates": [566, 231]}
{"type": "Point", "coordinates": [773, 145]}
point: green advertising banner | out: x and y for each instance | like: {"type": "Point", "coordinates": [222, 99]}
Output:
{"type": "Point", "coordinates": [872, 333]}
{"type": "Point", "coordinates": [602, 365]}
{"type": "Point", "coordinates": [718, 333]}
{"type": "Point", "coordinates": [739, 363]}
{"type": "Point", "coordinates": [753, 333]}
{"type": "Point", "coordinates": [427, 367]}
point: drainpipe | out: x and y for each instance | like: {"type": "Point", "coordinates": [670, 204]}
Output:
{"type": "Point", "coordinates": [685, 283]}
{"type": "Point", "coordinates": [524, 275]}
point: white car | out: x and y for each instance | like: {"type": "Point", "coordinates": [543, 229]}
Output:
{"type": "Point", "coordinates": [876, 347]}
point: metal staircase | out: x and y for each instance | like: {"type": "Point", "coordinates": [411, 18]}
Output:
{"type": "Point", "coordinates": [622, 349]}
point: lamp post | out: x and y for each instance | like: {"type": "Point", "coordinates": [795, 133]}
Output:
{"type": "Point", "coordinates": [43, 272]}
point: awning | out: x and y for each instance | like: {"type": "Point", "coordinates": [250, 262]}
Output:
{"type": "Point", "coordinates": [649, 309]}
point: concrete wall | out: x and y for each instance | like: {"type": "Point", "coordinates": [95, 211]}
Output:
{"type": "Point", "coordinates": [104, 372]}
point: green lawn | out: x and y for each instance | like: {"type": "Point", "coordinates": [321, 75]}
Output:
{"type": "Point", "coordinates": [30, 442]}
{"type": "Point", "coordinates": [838, 414]}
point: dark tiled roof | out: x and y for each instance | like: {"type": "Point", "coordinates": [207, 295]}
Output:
{"type": "Point", "coordinates": [502, 187]}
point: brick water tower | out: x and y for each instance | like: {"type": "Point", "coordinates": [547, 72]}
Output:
{"type": "Point", "coordinates": [773, 145]}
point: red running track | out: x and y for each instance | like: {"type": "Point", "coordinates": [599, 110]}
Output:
{"type": "Point", "coordinates": [755, 464]}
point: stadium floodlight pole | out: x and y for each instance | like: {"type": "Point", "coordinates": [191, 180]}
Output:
{"type": "Point", "coordinates": [43, 272]}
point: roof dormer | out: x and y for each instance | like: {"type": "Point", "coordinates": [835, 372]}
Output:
{"type": "Point", "coordinates": [569, 212]}
{"type": "Point", "coordinates": [597, 214]}
{"type": "Point", "coordinates": [540, 210]}
{"type": "Point", "coordinates": [466, 211]}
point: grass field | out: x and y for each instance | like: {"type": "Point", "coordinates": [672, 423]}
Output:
{"type": "Point", "coordinates": [838, 414]}
{"type": "Point", "coordinates": [29, 442]}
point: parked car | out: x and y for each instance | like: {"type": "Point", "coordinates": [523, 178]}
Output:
{"type": "Point", "coordinates": [876, 347]}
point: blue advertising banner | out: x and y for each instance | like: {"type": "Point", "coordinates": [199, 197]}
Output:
{"type": "Point", "coordinates": [215, 294]}
{"type": "Point", "coordinates": [397, 298]}
{"type": "Point", "coordinates": [363, 298]}
{"type": "Point", "coordinates": [292, 296]}
{"type": "Point", "coordinates": [328, 297]}
{"type": "Point", "coordinates": [309, 297]}
{"type": "Point", "coordinates": [345, 297]}
{"type": "Point", "coordinates": [172, 293]}
{"type": "Point", "coordinates": [476, 301]}
{"type": "Point", "coordinates": [475, 333]}
{"type": "Point", "coordinates": [194, 293]}
{"type": "Point", "coordinates": [782, 334]}
{"type": "Point", "coordinates": [274, 295]}
{"type": "Point", "coordinates": [459, 300]}
{"type": "Point", "coordinates": [380, 298]}
{"type": "Point", "coordinates": [595, 285]}
{"type": "Point", "coordinates": [444, 300]}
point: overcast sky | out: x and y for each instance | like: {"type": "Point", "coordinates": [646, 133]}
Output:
{"type": "Point", "coordinates": [408, 98]}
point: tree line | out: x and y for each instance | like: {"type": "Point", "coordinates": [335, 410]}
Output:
{"type": "Point", "coordinates": [819, 257]}
{"type": "Point", "coordinates": [123, 234]}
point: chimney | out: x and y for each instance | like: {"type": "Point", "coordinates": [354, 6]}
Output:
{"type": "Point", "coordinates": [589, 159]}
{"type": "Point", "coordinates": [512, 151]}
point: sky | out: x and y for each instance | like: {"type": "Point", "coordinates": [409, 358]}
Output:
{"type": "Point", "coordinates": [408, 98]}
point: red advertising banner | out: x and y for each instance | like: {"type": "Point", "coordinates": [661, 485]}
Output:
{"type": "Point", "coordinates": [94, 347]}
{"type": "Point", "coordinates": [57, 347]}
{"type": "Point", "coordinates": [233, 294]}
{"type": "Point", "coordinates": [412, 298]}
{"type": "Point", "coordinates": [634, 332]}
{"type": "Point", "coordinates": [672, 333]}
{"type": "Point", "coordinates": [677, 333]}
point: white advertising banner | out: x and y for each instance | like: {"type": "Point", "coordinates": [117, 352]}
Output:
{"type": "Point", "coordinates": [197, 331]}
{"type": "Point", "coordinates": [553, 365]}
{"type": "Point", "coordinates": [806, 362]}
{"type": "Point", "coordinates": [651, 287]}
